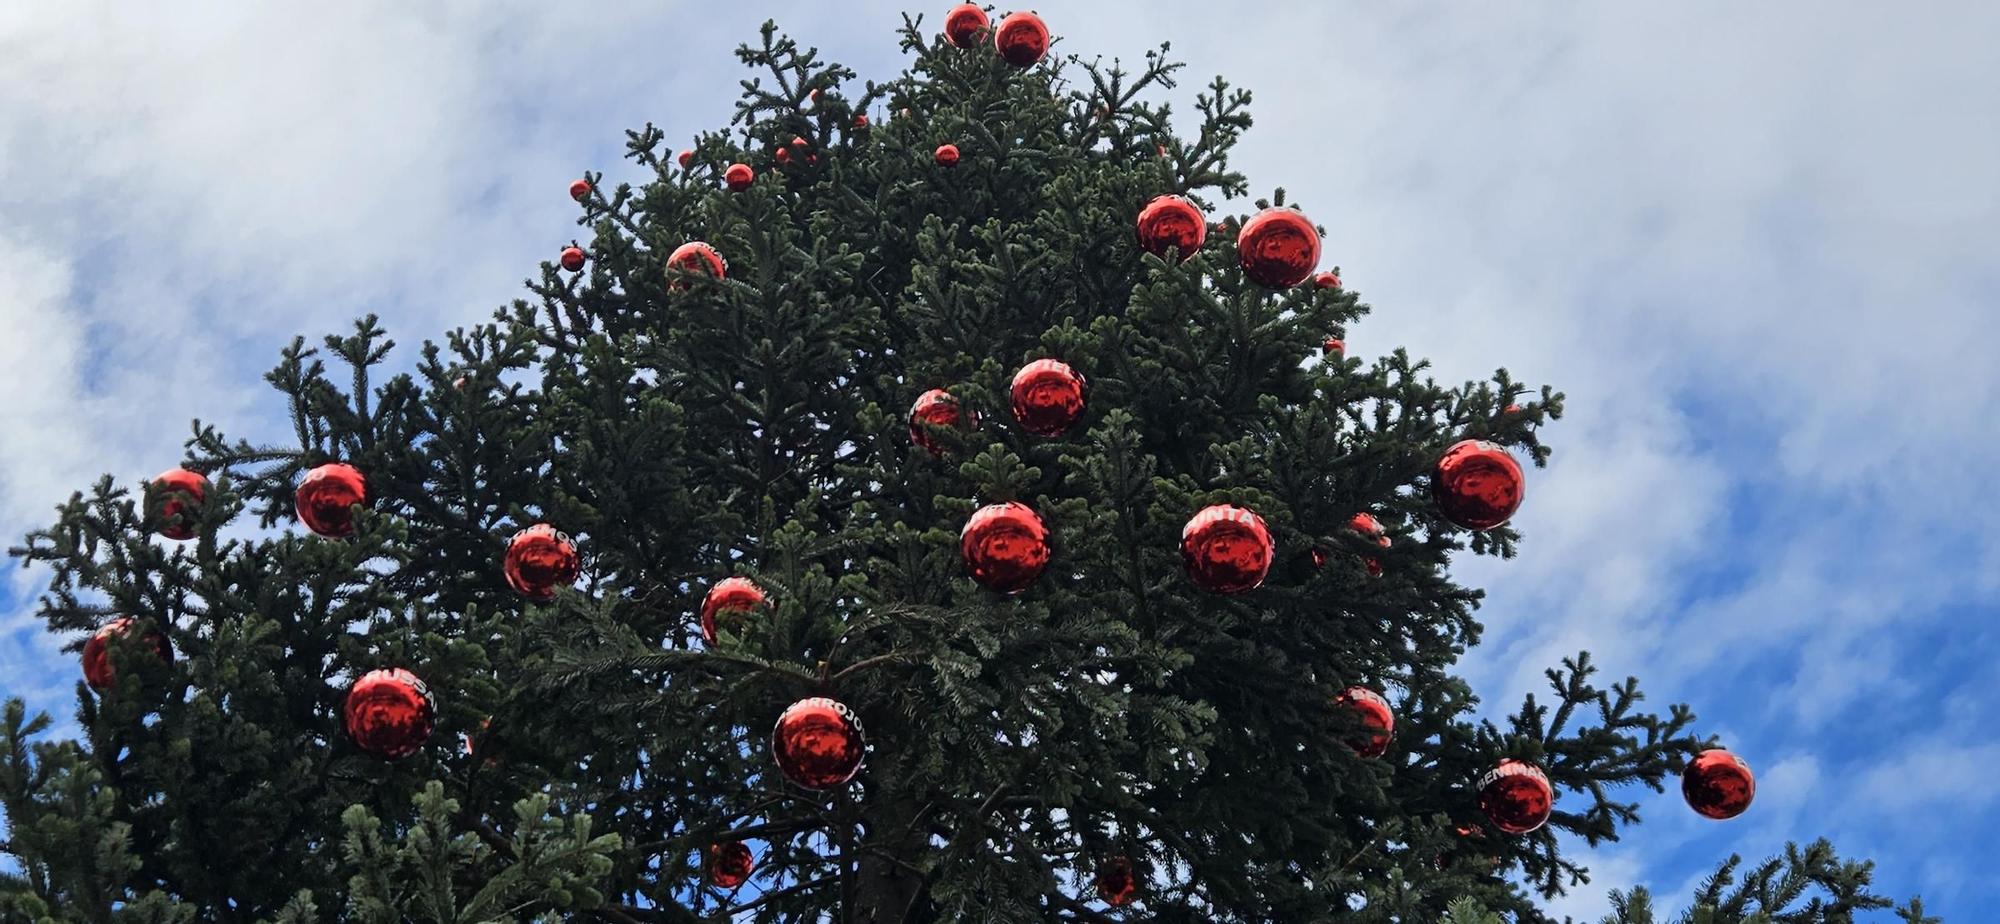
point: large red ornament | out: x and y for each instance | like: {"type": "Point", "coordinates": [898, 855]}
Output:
{"type": "Point", "coordinates": [572, 258]}
{"type": "Point", "coordinates": [178, 495]}
{"type": "Point", "coordinates": [946, 156]}
{"type": "Point", "coordinates": [1374, 714]}
{"type": "Point", "coordinates": [579, 189]}
{"type": "Point", "coordinates": [1477, 485]}
{"type": "Point", "coordinates": [1022, 39]}
{"type": "Point", "coordinates": [1005, 547]}
{"type": "Point", "coordinates": [686, 158]}
{"type": "Point", "coordinates": [1327, 281]}
{"type": "Point", "coordinates": [729, 596]}
{"type": "Point", "coordinates": [939, 409]}
{"type": "Point", "coordinates": [539, 560]}
{"type": "Point", "coordinates": [818, 743]}
{"type": "Point", "coordinates": [739, 177]}
{"type": "Point", "coordinates": [963, 25]}
{"type": "Point", "coordinates": [1171, 223]}
{"type": "Point", "coordinates": [1516, 796]}
{"type": "Point", "coordinates": [389, 713]}
{"type": "Point", "coordinates": [1115, 882]}
{"type": "Point", "coordinates": [1718, 784]}
{"type": "Point", "coordinates": [1278, 248]}
{"type": "Point", "coordinates": [1227, 549]}
{"type": "Point", "coordinates": [327, 497]}
{"type": "Point", "coordinates": [1370, 528]}
{"type": "Point", "coordinates": [1048, 397]}
{"type": "Point", "coordinates": [694, 257]}
{"type": "Point", "coordinates": [97, 668]}
{"type": "Point", "coordinates": [729, 864]}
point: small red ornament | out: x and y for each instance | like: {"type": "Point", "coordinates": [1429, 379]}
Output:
{"type": "Point", "coordinates": [1477, 485]}
{"type": "Point", "coordinates": [1334, 346]}
{"type": "Point", "coordinates": [861, 120]}
{"type": "Point", "coordinates": [539, 560]}
{"type": "Point", "coordinates": [178, 495]}
{"type": "Point", "coordinates": [694, 257]}
{"type": "Point", "coordinates": [1370, 528]}
{"type": "Point", "coordinates": [946, 156]}
{"type": "Point", "coordinates": [572, 258]}
{"type": "Point", "coordinates": [686, 158]}
{"type": "Point", "coordinates": [1115, 882]}
{"type": "Point", "coordinates": [389, 713]}
{"type": "Point", "coordinates": [579, 189]}
{"type": "Point", "coordinates": [729, 596]}
{"type": "Point", "coordinates": [1227, 549]}
{"type": "Point", "coordinates": [939, 409]}
{"type": "Point", "coordinates": [1511, 409]}
{"type": "Point", "coordinates": [729, 864]}
{"type": "Point", "coordinates": [1516, 796]}
{"type": "Point", "coordinates": [739, 177]}
{"type": "Point", "coordinates": [1374, 714]}
{"type": "Point", "coordinates": [1327, 281]}
{"type": "Point", "coordinates": [818, 743]}
{"type": "Point", "coordinates": [783, 157]}
{"type": "Point", "coordinates": [1022, 39]}
{"type": "Point", "coordinates": [1278, 248]}
{"type": "Point", "coordinates": [1718, 784]}
{"type": "Point", "coordinates": [814, 96]}
{"type": "Point", "coordinates": [1048, 397]}
{"type": "Point", "coordinates": [1005, 547]}
{"type": "Point", "coordinates": [97, 668]}
{"type": "Point", "coordinates": [1171, 223]}
{"type": "Point", "coordinates": [963, 25]}
{"type": "Point", "coordinates": [327, 496]}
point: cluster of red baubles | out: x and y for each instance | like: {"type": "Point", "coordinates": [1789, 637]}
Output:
{"type": "Point", "coordinates": [1022, 38]}
{"type": "Point", "coordinates": [1277, 248]}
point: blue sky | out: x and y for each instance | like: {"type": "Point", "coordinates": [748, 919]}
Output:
{"type": "Point", "coordinates": [1754, 246]}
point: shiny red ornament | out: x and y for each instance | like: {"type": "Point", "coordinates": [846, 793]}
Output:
{"type": "Point", "coordinates": [729, 864]}
{"type": "Point", "coordinates": [1047, 397]}
{"type": "Point", "coordinates": [1115, 882]}
{"type": "Point", "coordinates": [1477, 485]}
{"type": "Point", "coordinates": [946, 156]}
{"type": "Point", "coordinates": [861, 120]}
{"type": "Point", "coordinates": [694, 257]}
{"type": "Point", "coordinates": [97, 668]}
{"type": "Point", "coordinates": [1334, 346]}
{"type": "Point", "coordinates": [818, 743]}
{"type": "Point", "coordinates": [686, 158]}
{"type": "Point", "coordinates": [539, 560]}
{"type": "Point", "coordinates": [783, 157]}
{"type": "Point", "coordinates": [1171, 223]}
{"type": "Point", "coordinates": [963, 25]}
{"type": "Point", "coordinates": [1005, 547]}
{"type": "Point", "coordinates": [1022, 39]}
{"type": "Point", "coordinates": [739, 177]}
{"type": "Point", "coordinates": [1278, 248]}
{"type": "Point", "coordinates": [1373, 712]}
{"type": "Point", "coordinates": [939, 409]}
{"type": "Point", "coordinates": [1511, 409]}
{"type": "Point", "coordinates": [1718, 784]}
{"type": "Point", "coordinates": [579, 189]}
{"type": "Point", "coordinates": [389, 713]}
{"type": "Point", "coordinates": [572, 258]}
{"type": "Point", "coordinates": [1227, 549]}
{"type": "Point", "coordinates": [1516, 797]}
{"type": "Point", "coordinates": [327, 496]}
{"type": "Point", "coordinates": [177, 495]}
{"type": "Point", "coordinates": [1327, 281]}
{"type": "Point", "coordinates": [729, 596]}
{"type": "Point", "coordinates": [1370, 528]}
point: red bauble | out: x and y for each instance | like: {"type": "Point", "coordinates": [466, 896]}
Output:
{"type": "Point", "coordinates": [818, 743]}
{"type": "Point", "coordinates": [1022, 39]}
{"type": "Point", "coordinates": [963, 25]}
{"type": "Point", "coordinates": [1370, 528]}
{"type": "Point", "coordinates": [572, 258]}
{"type": "Point", "coordinates": [1115, 882]}
{"type": "Point", "coordinates": [729, 864]}
{"type": "Point", "coordinates": [1227, 549]}
{"type": "Point", "coordinates": [946, 156]}
{"type": "Point", "coordinates": [783, 157]}
{"type": "Point", "coordinates": [1374, 714]}
{"type": "Point", "coordinates": [1048, 397]}
{"type": "Point", "coordinates": [938, 408]}
{"type": "Point", "coordinates": [1278, 248]}
{"type": "Point", "coordinates": [1171, 223]}
{"type": "Point", "coordinates": [1005, 547]}
{"type": "Point", "coordinates": [1511, 409]}
{"type": "Point", "coordinates": [579, 189]}
{"type": "Point", "coordinates": [97, 668]}
{"type": "Point", "coordinates": [686, 158]}
{"type": "Point", "coordinates": [739, 176]}
{"type": "Point", "coordinates": [1477, 485]}
{"type": "Point", "coordinates": [326, 498]}
{"type": "Point", "coordinates": [1516, 797]}
{"type": "Point", "coordinates": [539, 560]}
{"type": "Point", "coordinates": [389, 713]}
{"type": "Point", "coordinates": [1327, 281]}
{"type": "Point", "coordinates": [1334, 346]}
{"type": "Point", "coordinates": [1718, 784]}
{"type": "Point", "coordinates": [728, 596]}
{"type": "Point", "coordinates": [861, 120]}
{"type": "Point", "coordinates": [694, 257]}
{"type": "Point", "coordinates": [178, 495]}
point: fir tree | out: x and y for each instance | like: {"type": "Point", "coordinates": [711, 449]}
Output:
{"type": "Point", "coordinates": [687, 428]}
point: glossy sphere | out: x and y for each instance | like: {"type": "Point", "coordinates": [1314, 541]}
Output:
{"type": "Point", "coordinates": [694, 257]}
{"type": "Point", "coordinates": [1227, 549]}
{"type": "Point", "coordinates": [1327, 281]}
{"type": "Point", "coordinates": [783, 157]}
{"type": "Point", "coordinates": [1115, 882]}
{"type": "Point", "coordinates": [578, 189]}
{"type": "Point", "coordinates": [1278, 248]}
{"type": "Point", "coordinates": [1370, 528]}
{"type": "Point", "coordinates": [326, 498]}
{"type": "Point", "coordinates": [1005, 547]}
{"type": "Point", "coordinates": [539, 560]}
{"type": "Point", "coordinates": [1374, 714]}
{"type": "Point", "coordinates": [963, 25]}
{"type": "Point", "coordinates": [1516, 797]}
{"type": "Point", "coordinates": [178, 494]}
{"type": "Point", "coordinates": [1718, 784]}
{"type": "Point", "coordinates": [389, 713]}
{"type": "Point", "coordinates": [739, 177]}
{"type": "Point", "coordinates": [1477, 485]}
{"type": "Point", "coordinates": [1047, 397]}
{"type": "Point", "coordinates": [729, 597]}
{"type": "Point", "coordinates": [861, 120]}
{"type": "Point", "coordinates": [729, 864]}
{"type": "Point", "coordinates": [1171, 223]}
{"type": "Point", "coordinates": [686, 158]}
{"type": "Point", "coordinates": [818, 743]}
{"type": "Point", "coordinates": [946, 156]}
{"type": "Point", "coordinates": [1334, 346]}
{"type": "Point", "coordinates": [97, 668]}
{"type": "Point", "coordinates": [1022, 39]}
{"type": "Point", "coordinates": [572, 258]}
{"type": "Point", "coordinates": [937, 408]}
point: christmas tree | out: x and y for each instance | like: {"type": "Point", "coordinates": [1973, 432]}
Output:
{"type": "Point", "coordinates": [933, 500]}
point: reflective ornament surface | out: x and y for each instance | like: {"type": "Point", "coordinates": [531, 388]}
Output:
{"type": "Point", "coordinates": [327, 497]}
{"type": "Point", "coordinates": [739, 177]}
{"type": "Point", "coordinates": [730, 864]}
{"type": "Point", "coordinates": [177, 495]}
{"type": "Point", "coordinates": [1278, 248]}
{"type": "Point", "coordinates": [1334, 347]}
{"type": "Point", "coordinates": [539, 560]}
{"type": "Point", "coordinates": [1374, 714]}
{"type": "Point", "coordinates": [818, 743]}
{"type": "Point", "coordinates": [1718, 784]}
{"type": "Point", "coordinates": [1022, 39]}
{"type": "Point", "coordinates": [686, 158]}
{"type": "Point", "coordinates": [963, 25]}
{"type": "Point", "coordinates": [937, 408]}
{"type": "Point", "coordinates": [1516, 797]}
{"type": "Point", "coordinates": [731, 597]}
{"type": "Point", "coordinates": [579, 189]}
{"type": "Point", "coordinates": [946, 156]}
{"type": "Point", "coordinates": [389, 713]}
{"type": "Point", "coordinates": [1371, 529]}
{"type": "Point", "coordinates": [98, 670]}
{"type": "Point", "coordinates": [694, 257]}
{"type": "Point", "coordinates": [572, 258]}
{"type": "Point", "coordinates": [1047, 397]}
{"type": "Point", "coordinates": [1227, 550]}
{"type": "Point", "coordinates": [1171, 223]}
{"type": "Point", "coordinates": [1477, 485]}
{"type": "Point", "coordinates": [1004, 546]}
{"type": "Point", "coordinates": [1327, 281]}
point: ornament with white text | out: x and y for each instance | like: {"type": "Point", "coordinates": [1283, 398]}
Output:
{"type": "Point", "coordinates": [1005, 547]}
{"type": "Point", "coordinates": [1718, 784]}
{"type": "Point", "coordinates": [1372, 711]}
{"type": "Point", "coordinates": [1370, 529]}
{"type": "Point", "coordinates": [1477, 485]}
{"type": "Point", "coordinates": [730, 864]}
{"type": "Point", "coordinates": [327, 497]}
{"type": "Point", "coordinates": [1115, 882]}
{"type": "Point", "coordinates": [946, 155]}
{"type": "Point", "coordinates": [1171, 224]}
{"type": "Point", "coordinates": [572, 258]}
{"type": "Point", "coordinates": [937, 408]}
{"type": "Point", "coordinates": [691, 258]}
{"type": "Point", "coordinates": [963, 25]}
{"type": "Point", "coordinates": [739, 177]}
{"type": "Point", "coordinates": [389, 713]}
{"type": "Point", "coordinates": [730, 597]}
{"type": "Point", "coordinates": [579, 190]}
{"type": "Point", "coordinates": [818, 743]}
{"type": "Point", "coordinates": [1227, 550]}
{"type": "Point", "coordinates": [98, 670]}
{"type": "Point", "coordinates": [1516, 797]}
{"type": "Point", "coordinates": [1278, 248]}
{"type": "Point", "coordinates": [1047, 397]}
{"type": "Point", "coordinates": [540, 559]}
{"type": "Point", "coordinates": [1022, 39]}
{"type": "Point", "coordinates": [177, 495]}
